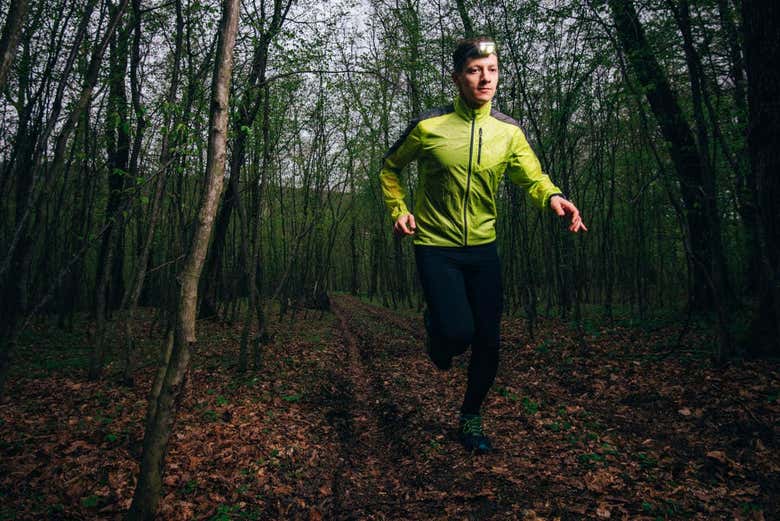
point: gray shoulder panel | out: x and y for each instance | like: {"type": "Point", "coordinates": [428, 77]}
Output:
{"type": "Point", "coordinates": [504, 118]}
{"type": "Point", "coordinates": [433, 113]}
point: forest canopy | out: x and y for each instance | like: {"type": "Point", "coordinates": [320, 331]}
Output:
{"type": "Point", "coordinates": [640, 111]}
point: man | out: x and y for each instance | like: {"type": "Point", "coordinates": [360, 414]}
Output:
{"type": "Point", "coordinates": [462, 151]}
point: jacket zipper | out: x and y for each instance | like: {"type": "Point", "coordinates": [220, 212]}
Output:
{"type": "Point", "coordinates": [468, 184]}
{"type": "Point", "coordinates": [479, 150]}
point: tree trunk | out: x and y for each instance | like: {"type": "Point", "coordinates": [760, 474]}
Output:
{"type": "Point", "coordinates": [745, 178]}
{"type": "Point", "coordinates": [133, 294]}
{"type": "Point", "coordinates": [14, 267]}
{"type": "Point", "coordinates": [14, 22]}
{"type": "Point", "coordinates": [762, 54]}
{"type": "Point", "coordinates": [696, 189]}
{"type": "Point", "coordinates": [147, 492]}
{"type": "Point", "coordinates": [118, 149]}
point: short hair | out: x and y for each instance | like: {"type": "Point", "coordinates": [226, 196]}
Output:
{"type": "Point", "coordinates": [469, 48]}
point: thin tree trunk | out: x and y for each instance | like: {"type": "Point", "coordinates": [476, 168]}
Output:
{"type": "Point", "coordinates": [148, 489]}
{"type": "Point", "coordinates": [60, 149]}
{"type": "Point", "coordinates": [133, 295]}
{"type": "Point", "coordinates": [118, 145]}
{"type": "Point", "coordinates": [247, 112]}
{"type": "Point", "coordinates": [468, 25]}
{"type": "Point", "coordinates": [700, 206]}
{"type": "Point", "coordinates": [14, 22]}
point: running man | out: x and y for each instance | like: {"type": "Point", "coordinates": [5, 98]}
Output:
{"type": "Point", "coordinates": [462, 152]}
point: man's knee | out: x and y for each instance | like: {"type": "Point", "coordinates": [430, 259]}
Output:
{"type": "Point", "coordinates": [458, 335]}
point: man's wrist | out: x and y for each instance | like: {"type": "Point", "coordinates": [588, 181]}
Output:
{"type": "Point", "coordinates": [549, 199]}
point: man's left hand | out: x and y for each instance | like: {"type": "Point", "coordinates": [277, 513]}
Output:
{"type": "Point", "coordinates": [562, 207]}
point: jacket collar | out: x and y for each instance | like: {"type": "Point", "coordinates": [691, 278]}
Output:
{"type": "Point", "coordinates": [467, 113]}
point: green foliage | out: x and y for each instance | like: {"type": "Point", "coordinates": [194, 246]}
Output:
{"type": "Point", "coordinates": [293, 398]}
{"type": "Point", "coordinates": [530, 406]}
{"type": "Point", "coordinates": [91, 501]}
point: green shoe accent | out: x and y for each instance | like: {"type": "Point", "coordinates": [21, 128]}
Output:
{"type": "Point", "coordinates": [472, 436]}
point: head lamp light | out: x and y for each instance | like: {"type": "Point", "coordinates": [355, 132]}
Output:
{"type": "Point", "coordinates": [473, 48]}
{"type": "Point", "coordinates": [485, 48]}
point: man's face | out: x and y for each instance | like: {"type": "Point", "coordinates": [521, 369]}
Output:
{"type": "Point", "coordinates": [478, 80]}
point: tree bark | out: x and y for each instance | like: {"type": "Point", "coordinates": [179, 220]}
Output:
{"type": "Point", "coordinates": [15, 265]}
{"type": "Point", "coordinates": [118, 150]}
{"type": "Point", "coordinates": [133, 294]}
{"type": "Point", "coordinates": [14, 22]}
{"type": "Point", "coordinates": [468, 25]}
{"type": "Point", "coordinates": [761, 21]}
{"type": "Point", "coordinates": [147, 492]}
{"type": "Point", "coordinates": [247, 113]}
{"type": "Point", "coordinates": [700, 207]}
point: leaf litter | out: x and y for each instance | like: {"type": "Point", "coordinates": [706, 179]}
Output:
{"type": "Point", "coordinates": [347, 419]}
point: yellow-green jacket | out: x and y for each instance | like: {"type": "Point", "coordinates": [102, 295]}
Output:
{"type": "Point", "coordinates": [462, 154]}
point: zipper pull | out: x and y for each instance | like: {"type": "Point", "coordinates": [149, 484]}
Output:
{"type": "Point", "coordinates": [479, 150]}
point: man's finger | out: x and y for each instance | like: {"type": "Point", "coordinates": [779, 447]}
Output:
{"type": "Point", "coordinates": [412, 224]}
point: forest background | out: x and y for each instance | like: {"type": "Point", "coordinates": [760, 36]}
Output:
{"type": "Point", "coordinates": [658, 118]}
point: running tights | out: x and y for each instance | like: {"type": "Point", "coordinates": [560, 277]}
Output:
{"type": "Point", "coordinates": [462, 288]}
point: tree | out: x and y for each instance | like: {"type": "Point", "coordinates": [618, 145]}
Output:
{"type": "Point", "coordinates": [696, 184]}
{"type": "Point", "coordinates": [147, 492]}
{"type": "Point", "coordinates": [762, 52]}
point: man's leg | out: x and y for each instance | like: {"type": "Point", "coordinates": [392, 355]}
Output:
{"type": "Point", "coordinates": [449, 318]}
{"type": "Point", "coordinates": [483, 288]}
{"type": "Point", "coordinates": [484, 292]}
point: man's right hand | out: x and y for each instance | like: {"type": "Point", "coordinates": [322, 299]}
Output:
{"type": "Point", "coordinates": [404, 225]}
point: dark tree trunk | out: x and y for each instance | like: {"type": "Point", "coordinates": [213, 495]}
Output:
{"type": "Point", "coordinates": [247, 112]}
{"type": "Point", "coordinates": [761, 21]}
{"type": "Point", "coordinates": [12, 30]}
{"type": "Point", "coordinates": [133, 294]}
{"type": "Point", "coordinates": [110, 265]}
{"type": "Point", "coordinates": [696, 189]}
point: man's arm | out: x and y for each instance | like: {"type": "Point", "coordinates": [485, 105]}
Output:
{"type": "Point", "coordinates": [403, 152]}
{"type": "Point", "coordinates": [525, 171]}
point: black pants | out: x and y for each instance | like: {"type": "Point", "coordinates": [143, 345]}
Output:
{"type": "Point", "coordinates": [462, 287]}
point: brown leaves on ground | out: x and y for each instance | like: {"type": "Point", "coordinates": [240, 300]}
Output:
{"type": "Point", "coordinates": [347, 419]}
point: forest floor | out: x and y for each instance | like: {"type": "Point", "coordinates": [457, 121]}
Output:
{"type": "Point", "coordinates": [347, 419]}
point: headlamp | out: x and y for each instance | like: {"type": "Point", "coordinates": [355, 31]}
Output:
{"type": "Point", "coordinates": [474, 48]}
{"type": "Point", "coordinates": [486, 48]}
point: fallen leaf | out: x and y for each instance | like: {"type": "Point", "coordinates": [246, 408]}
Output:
{"type": "Point", "coordinates": [603, 512]}
{"type": "Point", "coordinates": [718, 455]}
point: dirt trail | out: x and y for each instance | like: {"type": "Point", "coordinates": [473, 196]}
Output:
{"type": "Point", "coordinates": [407, 464]}
{"type": "Point", "coordinates": [368, 476]}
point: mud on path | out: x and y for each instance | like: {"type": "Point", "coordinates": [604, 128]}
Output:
{"type": "Point", "coordinates": [348, 420]}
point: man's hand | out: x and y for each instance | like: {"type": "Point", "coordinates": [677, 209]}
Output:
{"type": "Point", "coordinates": [562, 207]}
{"type": "Point", "coordinates": [404, 225]}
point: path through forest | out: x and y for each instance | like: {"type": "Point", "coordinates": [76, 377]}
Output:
{"type": "Point", "coordinates": [347, 419]}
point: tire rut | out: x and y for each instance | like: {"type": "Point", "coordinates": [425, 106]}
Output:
{"type": "Point", "coordinates": [411, 408]}
{"type": "Point", "coordinates": [366, 483]}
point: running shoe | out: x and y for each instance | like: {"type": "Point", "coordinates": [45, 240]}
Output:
{"type": "Point", "coordinates": [472, 437]}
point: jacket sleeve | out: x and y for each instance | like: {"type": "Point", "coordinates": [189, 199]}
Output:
{"type": "Point", "coordinates": [525, 171]}
{"type": "Point", "coordinates": [403, 152]}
